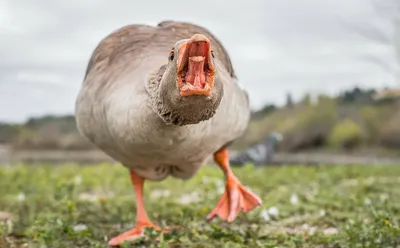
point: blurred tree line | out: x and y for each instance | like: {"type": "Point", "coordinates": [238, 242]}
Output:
{"type": "Point", "coordinates": [355, 118]}
{"type": "Point", "coordinates": [44, 133]}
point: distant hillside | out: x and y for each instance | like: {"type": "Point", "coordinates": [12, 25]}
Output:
{"type": "Point", "coordinates": [354, 119]}
{"type": "Point", "coordinates": [44, 133]}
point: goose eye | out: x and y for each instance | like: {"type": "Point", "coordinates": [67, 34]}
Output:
{"type": "Point", "coordinates": [171, 55]}
{"type": "Point", "coordinates": [212, 53]}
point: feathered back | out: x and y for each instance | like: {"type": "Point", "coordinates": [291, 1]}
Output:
{"type": "Point", "coordinates": [138, 39]}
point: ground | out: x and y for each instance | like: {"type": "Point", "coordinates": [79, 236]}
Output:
{"type": "Point", "coordinates": [84, 206]}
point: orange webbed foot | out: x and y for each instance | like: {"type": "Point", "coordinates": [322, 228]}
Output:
{"type": "Point", "coordinates": [235, 198]}
{"type": "Point", "coordinates": [133, 234]}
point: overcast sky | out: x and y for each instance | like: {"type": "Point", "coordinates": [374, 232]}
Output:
{"type": "Point", "coordinates": [276, 46]}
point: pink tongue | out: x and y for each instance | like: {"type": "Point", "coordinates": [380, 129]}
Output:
{"type": "Point", "coordinates": [195, 74]}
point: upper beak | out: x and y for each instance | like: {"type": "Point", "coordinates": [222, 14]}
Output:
{"type": "Point", "coordinates": [197, 45]}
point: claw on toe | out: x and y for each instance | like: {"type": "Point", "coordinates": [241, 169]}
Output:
{"type": "Point", "coordinates": [235, 198]}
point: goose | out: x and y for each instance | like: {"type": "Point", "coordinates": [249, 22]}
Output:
{"type": "Point", "coordinates": [161, 100]}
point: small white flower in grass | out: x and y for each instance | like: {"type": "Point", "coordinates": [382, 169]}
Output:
{"type": "Point", "coordinates": [9, 224]}
{"type": "Point", "coordinates": [322, 212]}
{"type": "Point", "coordinates": [189, 198]}
{"type": "Point", "coordinates": [274, 211]}
{"type": "Point", "coordinates": [21, 197]}
{"type": "Point", "coordinates": [219, 183]}
{"type": "Point", "coordinates": [309, 229]}
{"type": "Point", "coordinates": [379, 239]}
{"type": "Point", "coordinates": [305, 226]}
{"type": "Point", "coordinates": [88, 197]}
{"type": "Point", "coordinates": [384, 197]}
{"type": "Point", "coordinates": [157, 193]}
{"type": "Point", "coordinates": [264, 214]}
{"type": "Point", "coordinates": [205, 180]}
{"type": "Point", "coordinates": [80, 227]}
{"type": "Point", "coordinates": [367, 201]}
{"type": "Point", "coordinates": [78, 180]}
{"type": "Point", "coordinates": [220, 186]}
{"type": "Point", "coordinates": [294, 199]}
{"type": "Point", "coordinates": [330, 231]}
{"type": "Point", "coordinates": [312, 230]}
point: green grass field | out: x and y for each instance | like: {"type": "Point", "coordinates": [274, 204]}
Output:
{"type": "Point", "coordinates": [73, 206]}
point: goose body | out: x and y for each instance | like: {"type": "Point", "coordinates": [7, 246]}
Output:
{"type": "Point", "coordinates": [161, 100]}
{"type": "Point", "coordinates": [115, 108]}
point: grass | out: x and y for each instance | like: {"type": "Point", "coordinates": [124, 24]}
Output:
{"type": "Point", "coordinates": [327, 206]}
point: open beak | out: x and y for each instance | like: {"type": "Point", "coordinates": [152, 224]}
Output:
{"type": "Point", "coordinates": [195, 67]}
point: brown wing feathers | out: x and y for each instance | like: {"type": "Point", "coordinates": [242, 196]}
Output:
{"type": "Point", "coordinates": [137, 38]}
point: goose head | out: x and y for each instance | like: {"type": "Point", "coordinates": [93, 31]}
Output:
{"type": "Point", "coordinates": [190, 88]}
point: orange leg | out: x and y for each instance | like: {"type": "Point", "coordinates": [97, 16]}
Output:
{"type": "Point", "coordinates": [142, 221]}
{"type": "Point", "coordinates": [236, 197]}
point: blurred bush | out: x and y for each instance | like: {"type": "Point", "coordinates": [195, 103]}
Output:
{"type": "Point", "coordinates": [8, 132]}
{"type": "Point", "coordinates": [30, 141]}
{"type": "Point", "coordinates": [305, 125]}
{"type": "Point", "coordinates": [374, 117]}
{"type": "Point", "coordinates": [311, 125]}
{"type": "Point", "coordinates": [346, 122]}
{"type": "Point", "coordinates": [346, 134]}
{"type": "Point", "coordinates": [390, 132]}
{"type": "Point", "coordinates": [50, 133]}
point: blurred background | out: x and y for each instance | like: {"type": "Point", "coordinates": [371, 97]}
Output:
{"type": "Point", "coordinates": [323, 76]}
